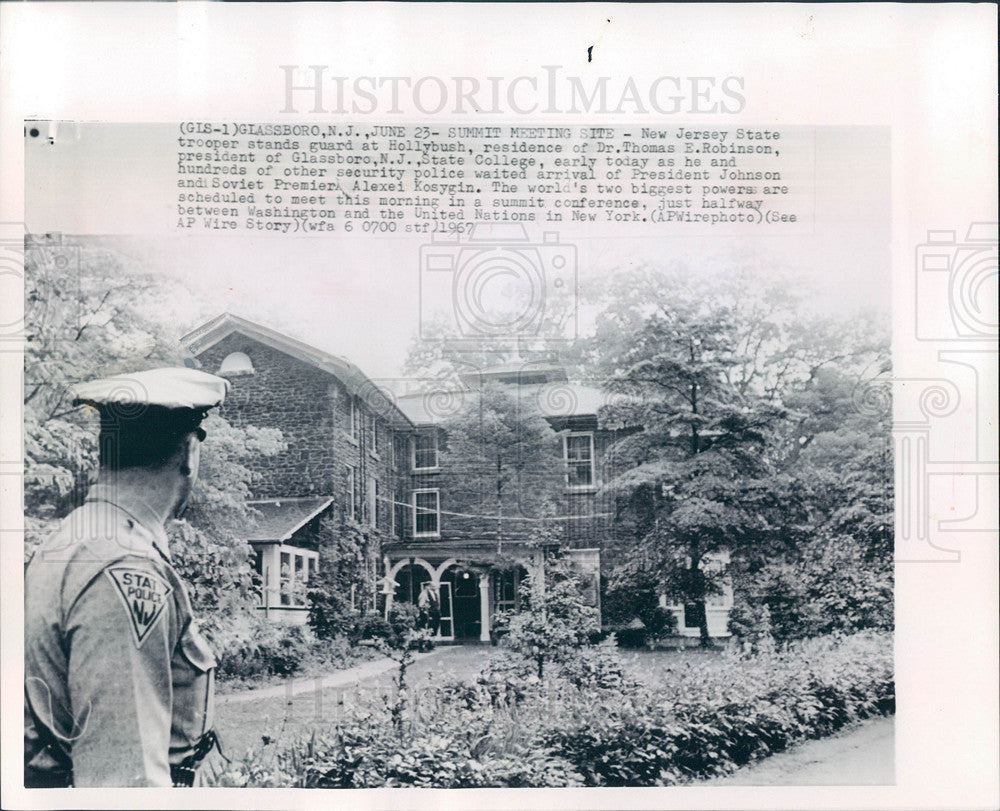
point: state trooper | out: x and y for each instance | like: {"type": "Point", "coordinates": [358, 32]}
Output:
{"type": "Point", "coordinates": [118, 681]}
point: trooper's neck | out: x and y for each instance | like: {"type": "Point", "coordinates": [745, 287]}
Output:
{"type": "Point", "coordinates": [157, 490]}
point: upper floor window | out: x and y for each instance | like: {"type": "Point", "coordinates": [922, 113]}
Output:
{"type": "Point", "coordinates": [579, 453]}
{"type": "Point", "coordinates": [236, 363]}
{"type": "Point", "coordinates": [373, 436]}
{"type": "Point", "coordinates": [355, 417]}
{"type": "Point", "coordinates": [426, 513]}
{"type": "Point", "coordinates": [425, 451]}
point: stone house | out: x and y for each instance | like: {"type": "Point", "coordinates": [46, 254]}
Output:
{"type": "Point", "coordinates": [340, 430]}
{"type": "Point", "coordinates": [356, 451]}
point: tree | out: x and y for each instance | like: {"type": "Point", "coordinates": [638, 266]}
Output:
{"type": "Point", "coordinates": [555, 620]}
{"type": "Point", "coordinates": [502, 460]}
{"type": "Point", "coordinates": [701, 478]}
{"type": "Point", "coordinates": [738, 390]}
{"type": "Point", "coordinates": [81, 320]}
{"type": "Point", "coordinates": [92, 310]}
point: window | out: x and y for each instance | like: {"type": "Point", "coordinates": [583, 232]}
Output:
{"type": "Point", "coordinates": [295, 568]}
{"type": "Point", "coordinates": [426, 513]}
{"type": "Point", "coordinates": [371, 497]}
{"type": "Point", "coordinates": [354, 417]}
{"type": "Point", "coordinates": [505, 586]}
{"type": "Point", "coordinates": [425, 451]}
{"type": "Point", "coordinates": [373, 437]}
{"type": "Point", "coordinates": [236, 363]}
{"type": "Point", "coordinates": [579, 460]}
{"type": "Point", "coordinates": [351, 495]}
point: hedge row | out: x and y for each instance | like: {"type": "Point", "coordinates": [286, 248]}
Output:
{"type": "Point", "coordinates": [593, 725]}
{"type": "Point", "coordinates": [718, 716]}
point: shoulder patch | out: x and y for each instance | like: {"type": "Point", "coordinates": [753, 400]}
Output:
{"type": "Point", "coordinates": [144, 594]}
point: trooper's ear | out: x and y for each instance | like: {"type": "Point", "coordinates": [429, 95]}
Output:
{"type": "Point", "coordinates": [189, 453]}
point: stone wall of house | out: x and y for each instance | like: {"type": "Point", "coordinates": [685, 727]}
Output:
{"type": "Point", "coordinates": [312, 409]}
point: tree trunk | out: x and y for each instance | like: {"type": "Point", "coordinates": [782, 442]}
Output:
{"type": "Point", "coordinates": [703, 624]}
{"type": "Point", "coordinates": [697, 594]}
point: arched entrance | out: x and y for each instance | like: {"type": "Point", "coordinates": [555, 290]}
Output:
{"type": "Point", "coordinates": [462, 588]}
{"type": "Point", "coordinates": [409, 580]}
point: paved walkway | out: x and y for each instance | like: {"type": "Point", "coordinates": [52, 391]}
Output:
{"type": "Point", "coordinates": [861, 756]}
{"type": "Point", "coordinates": [298, 685]}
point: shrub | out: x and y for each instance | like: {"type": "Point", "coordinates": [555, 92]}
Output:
{"type": "Point", "coordinates": [718, 714]}
{"type": "Point", "coordinates": [370, 626]}
{"type": "Point", "coordinates": [630, 592]}
{"type": "Point", "coordinates": [831, 588]}
{"type": "Point", "coordinates": [346, 549]}
{"type": "Point", "coordinates": [250, 649]}
{"type": "Point", "coordinates": [632, 638]}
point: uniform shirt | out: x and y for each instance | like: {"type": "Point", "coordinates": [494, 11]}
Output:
{"type": "Point", "coordinates": [118, 681]}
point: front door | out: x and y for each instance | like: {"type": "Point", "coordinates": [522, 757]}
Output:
{"type": "Point", "coordinates": [464, 602]}
{"type": "Point", "coordinates": [447, 628]}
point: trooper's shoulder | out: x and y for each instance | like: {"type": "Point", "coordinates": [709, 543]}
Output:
{"type": "Point", "coordinates": [95, 533]}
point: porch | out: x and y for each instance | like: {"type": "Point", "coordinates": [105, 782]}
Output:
{"type": "Point", "coordinates": [474, 583]}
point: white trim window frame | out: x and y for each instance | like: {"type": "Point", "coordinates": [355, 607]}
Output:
{"type": "Point", "coordinates": [582, 459]}
{"type": "Point", "coordinates": [352, 475]}
{"type": "Point", "coordinates": [427, 511]}
{"type": "Point", "coordinates": [421, 454]}
{"type": "Point", "coordinates": [292, 584]}
{"type": "Point", "coordinates": [371, 499]}
{"type": "Point", "coordinates": [353, 417]}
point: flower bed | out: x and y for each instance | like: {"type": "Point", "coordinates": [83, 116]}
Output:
{"type": "Point", "coordinates": [590, 725]}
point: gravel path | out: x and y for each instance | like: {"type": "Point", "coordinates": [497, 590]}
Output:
{"type": "Point", "coordinates": [861, 756]}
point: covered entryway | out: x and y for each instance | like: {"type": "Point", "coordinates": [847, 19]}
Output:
{"type": "Point", "coordinates": [473, 581]}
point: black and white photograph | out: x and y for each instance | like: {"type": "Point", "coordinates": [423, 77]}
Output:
{"type": "Point", "coordinates": [576, 433]}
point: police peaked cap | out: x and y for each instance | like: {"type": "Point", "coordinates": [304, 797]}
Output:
{"type": "Point", "coordinates": [173, 387]}
{"type": "Point", "coordinates": [174, 394]}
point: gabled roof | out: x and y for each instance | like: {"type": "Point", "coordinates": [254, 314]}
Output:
{"type": "Point", "coordinates": [222, 326]}
{"type": "Point", "coordinates": [280, 519]}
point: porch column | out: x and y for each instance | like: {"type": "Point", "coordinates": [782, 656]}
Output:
{"type": "Point", "coordinates": [271, 577]}
{"type": "Point", "coordinates": [388, 586]}
{"type": "Point", "coordinates": [484, 608]}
